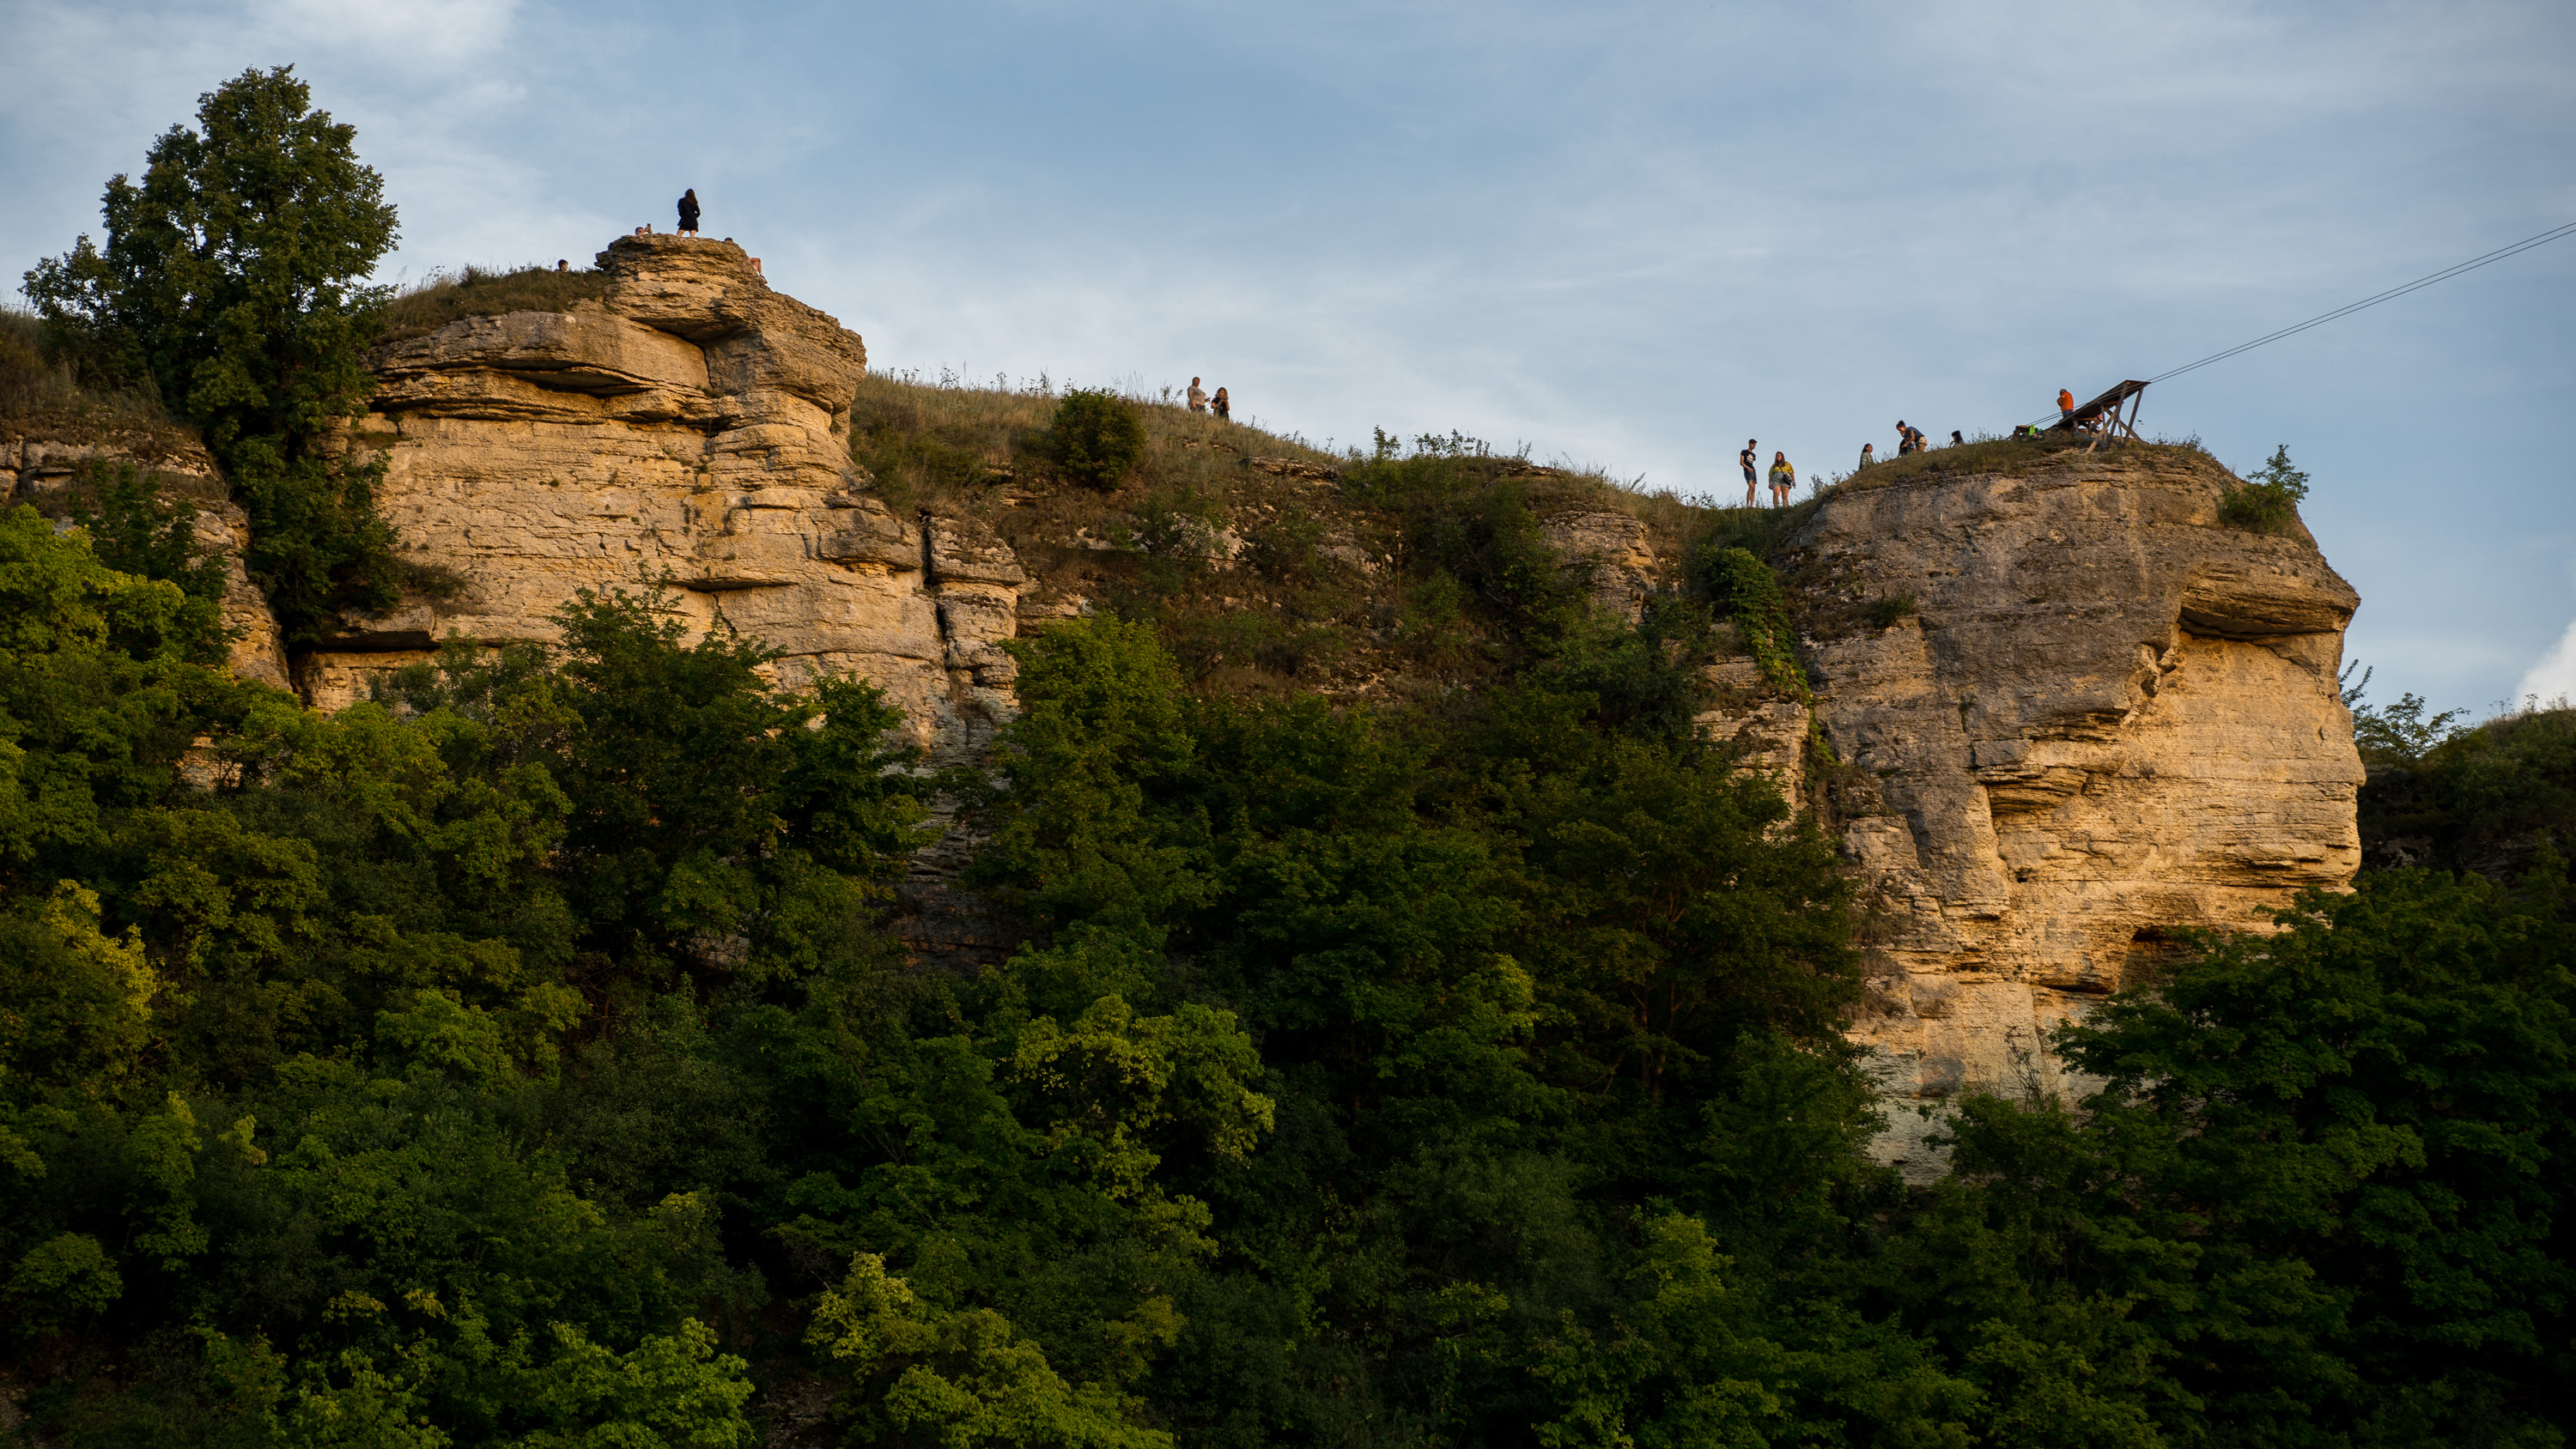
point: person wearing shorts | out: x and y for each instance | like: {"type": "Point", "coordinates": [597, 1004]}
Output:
{"type": "Point", "coordinates": [1746, 458]}
{"type": "Point", "coordinates": [1783, 479]}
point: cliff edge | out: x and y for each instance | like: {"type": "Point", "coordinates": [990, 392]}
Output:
{"type": "Point", "coordinates": [690, 427]}
{"type": "Point", "coordinates": [2056, 708]}
{"type": "Point", "coordinates": [2107, 717]}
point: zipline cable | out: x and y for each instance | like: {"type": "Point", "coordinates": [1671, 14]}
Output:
{"type": "Point", "coordinates": [2499, 254]}
{"type": "Point", "coordinates": [2471, 265]}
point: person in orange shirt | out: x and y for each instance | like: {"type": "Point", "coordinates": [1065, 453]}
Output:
{"type": "Point", "coordinates": [2066, 409]}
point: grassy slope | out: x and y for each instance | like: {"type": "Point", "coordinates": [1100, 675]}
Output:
{"type": "Point", "coordinates": [39, 399]}
{"type": "Point", "coordinates": [474, 292]}
{"type": "Point", "coordinates": [1260, 582]}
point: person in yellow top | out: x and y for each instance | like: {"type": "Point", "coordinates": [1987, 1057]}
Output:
{"type": "Point", "coordinates": [1783, 478]}
{"type": "Point", "coordinates": [2066, 409]}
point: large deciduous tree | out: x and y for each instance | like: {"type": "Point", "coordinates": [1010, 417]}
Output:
{"type": "Point", "coordinates": [233, 287]}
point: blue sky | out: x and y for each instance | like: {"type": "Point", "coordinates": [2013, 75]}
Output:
{"type": "Point", "coordinates": [1625, 235]}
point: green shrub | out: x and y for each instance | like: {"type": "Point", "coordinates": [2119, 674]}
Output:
{"type": "Point", "coordinates": [1743, 590]}
{"type": "Point", "coordinates": [27, 377]}
{"type": "Point", "coordinates": [1885, 612]}
{"type": "Point", "coordinates": [1098, 438]}
{"type": "Point", "coordinates": [2268, 502]}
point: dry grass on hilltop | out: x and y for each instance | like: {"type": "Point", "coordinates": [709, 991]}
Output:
{"type": "Point", "coordinates": [39, 398]}
{"type": "Point", "coordinates": [444, 297]}
{"type": "Point", "coordinates": [1253, 553]}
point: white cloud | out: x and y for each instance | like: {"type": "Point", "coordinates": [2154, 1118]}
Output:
{"type": "Point", "coordinates": [2554, 677]}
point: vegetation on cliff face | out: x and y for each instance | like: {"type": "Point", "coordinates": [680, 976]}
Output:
{"type": "Point", "coordinates": [1416, 1034]}
{"type": "Point", "coordinates": [519, 1061]}
{"type": "Point", "coordinates": [232, 290]}
{"type": "Point", "coordinates": [2268, 502]}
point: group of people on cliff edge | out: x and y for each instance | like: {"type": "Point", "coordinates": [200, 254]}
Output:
{"type": "Point", "coordinates": [1909, 439]}
{"type": "Point", "coordinates": [1201, 401]}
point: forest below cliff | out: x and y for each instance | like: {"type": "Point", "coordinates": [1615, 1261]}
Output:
{"type": "Point", "coordinates": [525, 1056]}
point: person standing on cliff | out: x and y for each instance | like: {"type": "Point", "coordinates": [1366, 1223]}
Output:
{"type": "Point", "coordinates": [1746, 458]}
{"type": "Point", "coordinates": [689, 212]}
{"type": "Point", "coordinates": [2066, 409]}
{"type": "Point", "coordinates": [1783, 479]}
{"type": "Point", "coordinates": [1198, 397]}
{"type": "Point", "coordinates": [1223, 408]}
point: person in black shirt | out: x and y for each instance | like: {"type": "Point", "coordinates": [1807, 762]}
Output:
{"type": "Point", "coordinates": [1746, 458]}
{"type": "Point", "coordinates": [689, 212]}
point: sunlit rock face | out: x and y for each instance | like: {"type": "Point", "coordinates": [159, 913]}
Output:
{"type": "Point", "coordinates": [691, 428]}
{"type": "Point", "coordinates": [2109, 717]}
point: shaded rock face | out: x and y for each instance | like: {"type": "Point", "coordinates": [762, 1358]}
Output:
{"type": "Point", "coordinates": [2110, 717]}
{"type": "Point", "coordinates": [37, 468]}
{"type": "Point", "coordinates": [691, 426]}
{"type": "Point", "coordinates": [1610, 552]}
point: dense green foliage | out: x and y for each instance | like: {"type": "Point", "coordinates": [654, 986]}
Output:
{"type": "Point", "coordinates": [1748, 593]}
{"type": "Point", "coordinates": [2490, 798]}
{"type": "Point", "coordinates": [522, 1059]}
{"type": "Point", "coordinates": [232, 288]}
{"type": "Point", "coordinates": [2268, 502]}
{"type": "Point", "coordinates": [1098, 437]}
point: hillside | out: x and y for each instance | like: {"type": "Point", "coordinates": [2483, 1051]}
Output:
{"type": "Point", "coordinates": [801, 924]}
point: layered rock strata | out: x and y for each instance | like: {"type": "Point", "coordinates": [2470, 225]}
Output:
{"type": "Point", "coordinates": [2108, 717]}
{"type": "Point", "coordinates": [691, 429]}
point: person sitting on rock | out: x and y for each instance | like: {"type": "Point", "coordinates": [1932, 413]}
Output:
{"type": "Point", "coordinates": [689, 212]}
{"type": "Point", "coordinates": [1198, 397]}
{"type": "Point", "coordinates": [1783, 479]}
{"type": "Point", "coordinates": [1223, 409]}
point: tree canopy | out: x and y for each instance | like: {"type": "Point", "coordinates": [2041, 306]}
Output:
{"type": "Point", "coordinates": [233, 287]}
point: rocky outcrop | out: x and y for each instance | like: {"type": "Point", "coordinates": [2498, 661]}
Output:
{"type": "Point", "coordinates": [2106, 718]}
{"type": "Point", "coordinates": [38, 463]}
{"type": "Point", "coordinates": [2058, 712]}
{"type": "Point", "coordinates": [1609, 552]}
{"type": "Point", "coordinates": [691, 429]}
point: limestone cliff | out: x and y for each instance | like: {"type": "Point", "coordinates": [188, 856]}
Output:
{"type": "Point", "coordinates": [2107, 717]}
{"type": "Point", "coordinates": [2056, 709]}
{"type": "Point", "coordinates": [690, 427]}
